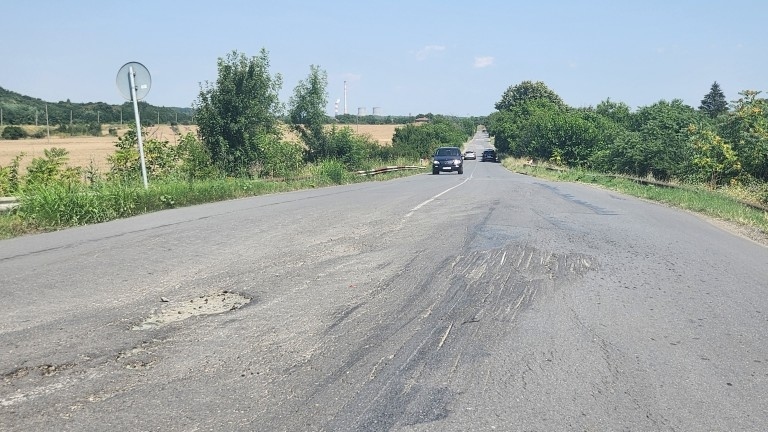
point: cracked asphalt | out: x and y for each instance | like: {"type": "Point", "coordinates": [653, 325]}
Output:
{"type": "Point", "coordinates": [482, 301]}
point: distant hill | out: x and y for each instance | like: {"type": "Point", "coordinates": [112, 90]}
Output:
{"type": "Point", "coordinates": [18, 109]}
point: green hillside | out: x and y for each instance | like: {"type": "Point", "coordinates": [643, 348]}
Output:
{"type": "Point", "coordinates": [18, 109]}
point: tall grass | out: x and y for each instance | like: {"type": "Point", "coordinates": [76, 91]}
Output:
{"type": "Point", "coordinates": [56, 205]}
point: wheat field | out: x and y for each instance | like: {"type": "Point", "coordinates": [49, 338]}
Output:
{"type": "Point", "coordinates": [94, 150]}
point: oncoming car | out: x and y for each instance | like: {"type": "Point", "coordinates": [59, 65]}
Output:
{"type": "Point", "coordinates": [469, 154]}
{"type": "Point", "coordinates": [447, 159]}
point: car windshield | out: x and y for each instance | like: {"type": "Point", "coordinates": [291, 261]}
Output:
{"type": "Point", "coordinates": [447, 152]}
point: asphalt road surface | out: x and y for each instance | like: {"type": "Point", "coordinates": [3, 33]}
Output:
{"type": "Point", "coordinates": [483, 301]}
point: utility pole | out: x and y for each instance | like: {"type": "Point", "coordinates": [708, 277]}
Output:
{"type": "Point", "coordinates": [47, 125]}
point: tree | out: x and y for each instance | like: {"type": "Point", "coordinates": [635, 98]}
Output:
{"type": "Point", "coordinates": [618, 112]}
{"type": "Point", "coordinates": [527, 91]}
{"type": "Point", "coordinates": [746, 129]}
{"type": "Point", "coordinates": [13, 133]}
{"type": "Point", "coordinates": [714, 158]}
{"type": "Point", "coordinates": [663, 129]}
{"type": "Point", "coordinates": [544, 131]}
{"type": "Point", "coordinates": [238, 115]}
{"type": "Point", "coordinates": [307, 114]}
{"type": "Point", "coordinates": [420, 141]}
{"type": "Point", "coordinates": [501, 126]}
{"type": "Point", "coordinates": [714, 102]}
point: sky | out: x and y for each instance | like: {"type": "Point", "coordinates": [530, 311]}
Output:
{"type": "Point", "coordinates": [396, 57]}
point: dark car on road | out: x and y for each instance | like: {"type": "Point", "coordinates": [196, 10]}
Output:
{"type": "Point", "coordinates": [489, 155]}
{"type": "Point", "coordinates": [447, 159]}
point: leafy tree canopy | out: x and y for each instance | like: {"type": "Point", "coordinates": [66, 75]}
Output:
{"type": "Point", "coordinates": [239, 114]}
{"type": "Point", "coordinates": [746, 129]}
{"type": "Point", "coordinates": [619, 112]}
{"type": "Point", "coordinates": [663, 130]}
{"type": "Point", "coordinates": [526, 91]}
{"type": "Point", "coordinates": [307, 113]}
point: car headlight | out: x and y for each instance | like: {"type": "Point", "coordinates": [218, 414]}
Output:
{"type": "Point", "coordinates": [435, 163]}
{"type": "Point", "coordinates": [457, 162]}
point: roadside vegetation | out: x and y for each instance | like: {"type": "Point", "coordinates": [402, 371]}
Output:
{"type": "Point", "coordinates": [715, 156]}
{"type": "Point", "coordinates": [712, 160]}
{"type": "Point", "coordinates": [240, 150]}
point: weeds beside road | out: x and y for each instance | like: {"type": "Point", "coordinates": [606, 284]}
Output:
{"type": "Point", "coordinates": [57, 206]}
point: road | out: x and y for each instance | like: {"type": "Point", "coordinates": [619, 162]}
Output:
{"type": "Point", "coordinates": [483, 301]}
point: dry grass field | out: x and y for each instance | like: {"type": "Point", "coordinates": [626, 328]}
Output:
{"type": "Point", "coordinates": [84, 150]}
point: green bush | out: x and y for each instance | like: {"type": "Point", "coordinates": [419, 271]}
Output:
{"type": "Point", "coordinates": [161, 159]}
{"type": "Point", "coordinates": [9, 177]}
{"type": "Point", "coordinates": [333, 170]}
{"type": "Point", "coordinates": [13, 133]}
{"type": "Point", "coordinates": [92, 128]}
{"type": "Point", "coordinates": [51, 168]}
{"type": "Point", "coordinates": [280, 159]}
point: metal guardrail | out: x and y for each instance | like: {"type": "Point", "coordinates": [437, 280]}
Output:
{"type": "Point", "coordinates": [389, 169]}
{"type": "Point", "coordinates": [8, 203]}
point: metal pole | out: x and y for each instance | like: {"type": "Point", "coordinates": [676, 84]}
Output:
{"type": "Point", "coordinates": [138, 126]}
{"type": "Point", "coordinates": [47, 125]}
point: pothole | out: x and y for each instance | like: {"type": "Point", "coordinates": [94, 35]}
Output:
{"type": "Point", "coordinates": [209, 304]}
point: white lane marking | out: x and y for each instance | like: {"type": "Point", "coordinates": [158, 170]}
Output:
{"type": "Point", "coordinates": [413, 210]}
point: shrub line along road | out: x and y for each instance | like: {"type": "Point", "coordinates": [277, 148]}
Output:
{"type": "Point", "coordinates": [482, 301]}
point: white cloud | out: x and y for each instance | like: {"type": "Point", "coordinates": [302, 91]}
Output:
{"type": "Point", "coordinates": [428, 50]}
{"type": "Point", "coordinates": [481, 62]}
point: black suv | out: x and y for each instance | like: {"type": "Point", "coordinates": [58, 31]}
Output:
{"type": "Point", "coordinates": [489, 155]}
{"type": "Point", "coordinates": [447, 159]}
